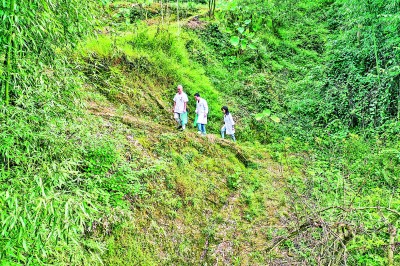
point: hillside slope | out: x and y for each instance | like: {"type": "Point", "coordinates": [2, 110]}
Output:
{"type": "Point", "coordinates": [201, 199]}
{"type": "Point", "coordinates": [94, 171]}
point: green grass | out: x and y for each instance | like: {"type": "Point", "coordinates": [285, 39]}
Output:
{"type": "Point", "coordinates": [148, 62]}
{"type": "Point", "coordinates": [93, 171]}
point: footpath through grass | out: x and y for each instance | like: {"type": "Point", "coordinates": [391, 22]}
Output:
{"type": "Point", "coordinates": [203, 200]}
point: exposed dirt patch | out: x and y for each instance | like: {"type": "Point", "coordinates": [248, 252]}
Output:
{"type": "Point", "coordinates": [109, 112]}
{"type": "Point", "coordinates": [195, 23]}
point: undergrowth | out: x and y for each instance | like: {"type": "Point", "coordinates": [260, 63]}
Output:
{"type": "Point", "coordinates": [93, 171]}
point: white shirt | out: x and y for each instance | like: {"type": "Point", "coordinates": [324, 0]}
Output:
{"type": "Point", "coordinates": [180, 100]}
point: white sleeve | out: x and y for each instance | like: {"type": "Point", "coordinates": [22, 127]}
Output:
{"type": "Point", "coordinates": [233, 122]}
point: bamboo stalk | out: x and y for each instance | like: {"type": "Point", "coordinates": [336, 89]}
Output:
{"type": "Point", "coordinates": [177, 13]}
{"type": "Point", "coordinates": [214, 4]}
{"type": "Point", "coordinates": [162, 13]}
{"type": "Point", "coordinates": [376, 58]}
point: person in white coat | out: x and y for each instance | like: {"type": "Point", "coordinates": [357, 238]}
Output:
{"type": "Point", "coordinates": [202, 112]}
{"type": "Point", "coordinates": [180, 107]}
{"type": "Point", "coordinates": [228, 127]}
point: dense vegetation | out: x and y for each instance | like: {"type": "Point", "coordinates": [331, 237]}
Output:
{"type": "Point", "coordinates": [329, 69]}
{"type": "Point", "coordinates": [92, 170]}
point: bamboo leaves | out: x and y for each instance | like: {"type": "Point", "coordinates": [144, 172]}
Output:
{"type": "Point", "coordinates": [35, 89]}
{"type": "Point", "coordinates": [30, 30]}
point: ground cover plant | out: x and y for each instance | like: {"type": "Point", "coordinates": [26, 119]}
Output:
{"type": "Point", "coordinates": [88, 149]}
{"type": "Point", "coordinates": [312, 73]}
{"type": "Point", "coordinates": [94, 172]}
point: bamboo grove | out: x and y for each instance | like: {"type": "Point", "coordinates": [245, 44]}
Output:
{"type": "Point", "coordinates": [30, 34]}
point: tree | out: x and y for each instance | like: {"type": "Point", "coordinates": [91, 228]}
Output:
{"type": "Point", "coordinates": [363, 77]}
{"type": "Point", "coordinates": [211, 8]}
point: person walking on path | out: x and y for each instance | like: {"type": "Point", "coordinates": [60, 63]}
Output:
{"type": "Point", "coordinates": [180, 108]}
{"type": "Point", "coordinates": [202, 112]}
{"type": "Point", "coordinates": [228, 127]}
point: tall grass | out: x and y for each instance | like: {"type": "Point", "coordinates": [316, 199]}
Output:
{"type": "Point", "coordinates": [157, 61]}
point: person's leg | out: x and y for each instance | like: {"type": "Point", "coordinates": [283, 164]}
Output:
{"type": "Point", "coordinates": [178, 119]}
{"type": "Point", "coordinates": [223, 129]}
{"type": "Point", "coordinates": [199, 128]}
{"type": "Point", "coordinates": [203, 129]}
{"type": "Point", "coordinates": [233, 137]}
{"type": "Point", "coordinates": [183, 118]}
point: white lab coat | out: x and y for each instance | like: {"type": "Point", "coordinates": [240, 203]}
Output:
{"type": "Point", "coordinates": [229, 123]}
{"type": "Point", "coordinates": [201, 111]}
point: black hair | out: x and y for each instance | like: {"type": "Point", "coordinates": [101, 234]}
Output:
{"type": "Point", "coordinates": [226, 109]}
{"type": "Point", "coordinates": [197, 94]}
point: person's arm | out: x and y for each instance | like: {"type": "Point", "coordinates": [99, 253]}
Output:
{"type": "Point", "coordinates": [233, 122]}
{"type": "Point", "coordinates": [173, 110]}
{"type": "Point", "coordinates": [185, 101]}
{"type": "Point", "coordinates": [205, 108]}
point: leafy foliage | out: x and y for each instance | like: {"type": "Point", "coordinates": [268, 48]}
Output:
{"type": "Point", "coordinates": [325, 69]}
{"type": "Point", "coordinates": [362, 77]}
{"type": "Point", "coordinates": [31, 32]}
{"type": "Point", "coordinates": [90, 166]}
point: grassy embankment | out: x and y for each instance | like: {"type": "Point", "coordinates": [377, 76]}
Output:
{"type": "Point", "coordinates": [210, 200]}
{"type": "Point", "coordinates": [94, 170]}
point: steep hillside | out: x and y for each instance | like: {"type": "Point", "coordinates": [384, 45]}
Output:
{"type": "Point", "coordinates": [200, 199]}
{"type": "Point", "coordinates": [94, 171]}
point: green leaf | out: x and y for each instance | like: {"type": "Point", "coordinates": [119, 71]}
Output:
{"type": "Point", "coordinates": [266, 112]}
{"type": "Point", "coordinates": [240, 30]}
{"type": "Point", "coordinates": [252, 46]}
{"type": "Point", "coordinates": [275, 119]}
{"type": "Point", "coordinates": [250, 35]}
{"type": "Point", "coordinates": [259, 116]}
{"type": "Point", "coordinates": [243, 44]}
{"type": "Point", "coordinates": [22, 222]}
{"type": "Point", "coordinates": [247, 22]}
{"type": "Point", "coordinates": [235, 40]}
{"type": "Point", "coordinates": [24, 245]}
